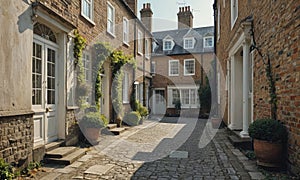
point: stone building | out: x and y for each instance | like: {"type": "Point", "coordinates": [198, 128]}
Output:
{"type": "Point", "coordinates": [38, 74]}
{"type": "Point", "coordinates": [181, 59]}
{"type": "Point", "coordinates": [244, 29]}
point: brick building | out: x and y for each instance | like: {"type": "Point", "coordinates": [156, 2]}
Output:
{"type": "Point", "coordinates": [181, 58]}
{"type": "Point", "coordinates": [38, 102]}
{"type": "Point", "coordinates": [243, 30]}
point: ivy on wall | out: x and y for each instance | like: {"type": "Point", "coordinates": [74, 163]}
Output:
{"type": "Point", "coordinates": [82, 88]}
{"type": "Point", "coordinates": [118, 60]}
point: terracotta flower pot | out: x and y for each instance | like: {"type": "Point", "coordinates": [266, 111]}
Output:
{"type": "Point", "coordinates": [268, 154]}
{"type": "Point", "coordinates": [92, 134]}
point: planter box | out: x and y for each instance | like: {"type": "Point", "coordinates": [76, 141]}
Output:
{"type": "Point", "coordinates": [268, 154]}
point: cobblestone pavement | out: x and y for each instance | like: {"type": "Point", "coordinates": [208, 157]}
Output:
{"type": "Point", "coordinates": [160, 150]}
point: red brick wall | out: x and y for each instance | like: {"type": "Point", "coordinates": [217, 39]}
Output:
{"type": "Point", "coordinates": [276, 27]}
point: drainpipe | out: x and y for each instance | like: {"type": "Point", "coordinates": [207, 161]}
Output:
{"type": "Point", "coordinates": [214, 93]}
{"type": "Point", "coordinates": [144, 58]}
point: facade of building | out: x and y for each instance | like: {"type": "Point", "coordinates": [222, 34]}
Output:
{"type": "Point", "coordinates": [181, 59]}
{"type": "Point", "coordinates": [249, 34]}
{"type": "Point", "coordinates": [38, 73]}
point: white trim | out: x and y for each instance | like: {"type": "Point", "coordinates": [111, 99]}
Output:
{"type": "Point", "coordinates": [168, 39]}
{"type": "Point", "coordinates": [180, 88]}
{"type": "Point", "coordinates": [147, 54]}
{"type": "Point", "coordinates": [90, 19]}
{"type": "Point", "coordinates": [219, 21]}
{"type": "Point", "coordinates": [187, 39]}
{"type": "Point", "coordinates": [140, 42]}
{"type": "Point", "coordinates": [126, 37]}
{"type": "Point", "coordinates": [170, 61]}
{"type": "Point", "coordinates": [184, 68]}
{"type": "Point", "coordinates": [205, 39]}
{"type": "Point", "coordinates": [233, 19]}
{"type": "Point", "coordinates": [109, 5]}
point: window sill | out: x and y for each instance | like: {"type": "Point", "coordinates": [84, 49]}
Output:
{"type": "Point", "coordinates": [189, 74]}
{"type": "Point", "coordinates": [126, 44]}
{"type": "Point", "coordinates": [88, 19]}
{"type": "Point", "coordinates": [111, 34]}
{"type": "Point", "coordinates": [125, 102]}
{"type": "Point", "coordinates": [139, 53]}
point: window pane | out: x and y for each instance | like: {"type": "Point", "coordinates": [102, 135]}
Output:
{"type": "Point", "coordinates": [174, 68]}
{"type": "Point", "coordinates": [185, 97]}
{"type": "Point", "coordinates": [189, 67]}
{"type": "Point", "coordinates": [175, 95]}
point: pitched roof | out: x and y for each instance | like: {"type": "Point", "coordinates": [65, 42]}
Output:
{"type": "Point", "coordinates": [178, 36]}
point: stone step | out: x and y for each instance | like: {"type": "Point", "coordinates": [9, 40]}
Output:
{"type": "Point", "coordinates": [117, 131]}
{"type": "Point", "coordinates": [60, 152]}
{"type": "Point", "coordinates": [244, 143]}
{"type": "Point", "coordinates": [111, 126]}
{"type": "Point", "coordinates": [67, 160]}
{"type": "Point", "coordinates": [53, 145]}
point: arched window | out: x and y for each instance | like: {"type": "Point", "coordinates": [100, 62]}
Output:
{"type": "Point", "coordinates": [44, 31]}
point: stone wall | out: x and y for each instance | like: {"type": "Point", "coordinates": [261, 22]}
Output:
{"type": "Point", "coordinates": [276, 30]}
{"type": "Point", "coordinates": [73, 130]}
{"type": "Point", "coordinates": [16, 139]}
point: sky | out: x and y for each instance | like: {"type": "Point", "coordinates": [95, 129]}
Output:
{"type": "Point", "coordinates": [165, 12]}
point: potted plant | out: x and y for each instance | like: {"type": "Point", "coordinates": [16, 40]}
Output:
{"type": "Point", "coordinates": [91, 123]}
{"type": "Point", "coordinates": [269, 137]}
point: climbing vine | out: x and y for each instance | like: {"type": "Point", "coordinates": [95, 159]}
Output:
{"type": "Point", "coordinates": [269, 75]}
{"type": "Point", "coordinates": [118, 60]}
{"type": "Point", "coordinates": [82, 88]}
{"type": "Point", "coordinates": [102, 52]}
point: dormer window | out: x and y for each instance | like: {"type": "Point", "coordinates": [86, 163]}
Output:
{"type": "Point", "coordinates": [208, 41]}
{"type": "Point", "coordinates": [189, 43]}
{"type": "Point", "coordinates": [168, 43]}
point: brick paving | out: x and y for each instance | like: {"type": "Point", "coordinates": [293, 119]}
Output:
{"type": "Point", "coordinates": [157, 150]}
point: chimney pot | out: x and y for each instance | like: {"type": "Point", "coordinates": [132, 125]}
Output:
{"type": "Point", "coordinates": [186, 8]}
{"type": "Point", "coordinates": [144, 5]}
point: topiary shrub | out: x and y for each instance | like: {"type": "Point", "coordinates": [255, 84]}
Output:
{"type": "Point", "coordinates": [132, 119]}
{"type": "Point", "coordinates": [268, 130]}
{"type": "Point", "coordinates": [92, 120]}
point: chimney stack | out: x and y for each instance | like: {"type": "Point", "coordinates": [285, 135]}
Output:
{"type": "Point", "coordinates": [146, 16]}
{"type": "Point", "coordinates": [185, 17]}
{"type": "Point", "coordinates": [133, 5]}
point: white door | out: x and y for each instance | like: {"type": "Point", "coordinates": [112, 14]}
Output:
{"type": "Point", "coordinates": [44, 91]}
{"type": "Point", "coordinates": [159, 102]}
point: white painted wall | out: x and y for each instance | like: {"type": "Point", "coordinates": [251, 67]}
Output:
{"type": "Point", "coordinates": [15, 57]}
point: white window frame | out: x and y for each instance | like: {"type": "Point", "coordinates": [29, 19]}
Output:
{"type": "Point", "coordinates": [125, 31]}
{"type": "Point", "coordinates": [170, 62]}
{"type": "Point", "coordinates": [185, 44]}
{"type": "Point", "coordinates": [91, 3]}
{"type": "Point", "coordinates": [185, 70]}
{"type": "Point", "coordinates": [164, 45]}
{"type": "Point", "coordinates": [153, 68]}
{"type": "Point", "coordinates": [205, 39]}
{"type": "Point", "coordinates": [109, 20]}
{"type": "Point", "coordinates": [125, 88]}
{"type": "Point", "coordinates": [147, 54]}
{"type": "Point", "coordinates": [234, 11]}
{"type": "Point", "coordinates": [140, 42]}
{"type": "Point", "coordinates": [181, 89]}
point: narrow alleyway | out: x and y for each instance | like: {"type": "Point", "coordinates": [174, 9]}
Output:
{"type": "Point", "coordinates": [160, 150]}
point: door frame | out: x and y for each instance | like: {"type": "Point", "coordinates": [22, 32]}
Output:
{"type": "Point", "coordinates": [154, 99]}
{"type": "Point", "coordinates": [40, 110]}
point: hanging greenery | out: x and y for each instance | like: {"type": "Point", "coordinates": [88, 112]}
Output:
{"type": "Point", "coordinates": [102, 52]}
{"type": "Point", "coordinates": [118, 60]}
{"type": "Point", "coordinates": [82, 89]}
{"type": "Point", "coordinates": [79, 45]}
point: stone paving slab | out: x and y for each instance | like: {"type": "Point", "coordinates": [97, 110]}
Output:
{"type": "Point", "coordinates": [217, 160]}
{"type": "Point", "coordinates": [98, 169]}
